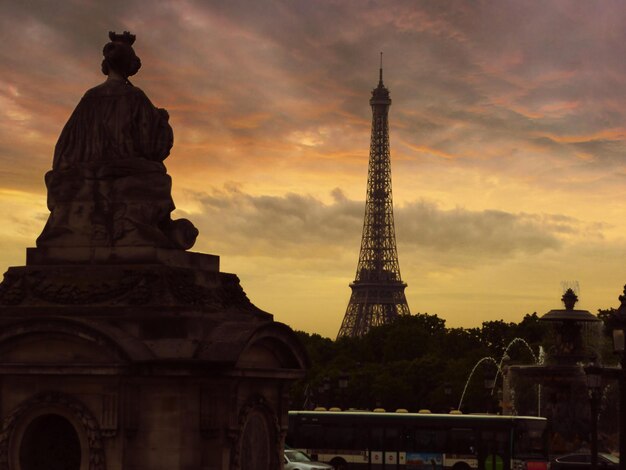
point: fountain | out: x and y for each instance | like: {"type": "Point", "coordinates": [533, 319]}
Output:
{"type": "Point", "coordinates": [499, 369]}
{"type": "Point", "coordinates": [505, 355]}
{"type": "Point", "coordinates": [471, 374]}
{"type": "Point", "coordinates": [507, 402]}
{"type": "Point", "coordinates": [568, 346]}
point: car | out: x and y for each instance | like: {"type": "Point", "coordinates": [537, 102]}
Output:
{"type": "Point", "coordinates": [582, 461]}
{"type": "Point", "coordinates": [297, 460]}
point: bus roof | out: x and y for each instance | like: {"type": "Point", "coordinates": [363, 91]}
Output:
{"type": "Point", "coordinates": [421, 416]}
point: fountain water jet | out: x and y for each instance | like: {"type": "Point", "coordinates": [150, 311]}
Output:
{"type": "Point", "coordinates": [471, 374]}
{"type": "Point", "coordinates": [505, 355]}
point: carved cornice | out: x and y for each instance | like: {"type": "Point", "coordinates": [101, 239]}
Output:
{"type": "Point", "coordinates": [121, 286]}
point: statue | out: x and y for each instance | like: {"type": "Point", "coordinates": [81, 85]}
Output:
{"type": "Point", "coordinates": [108, 186]}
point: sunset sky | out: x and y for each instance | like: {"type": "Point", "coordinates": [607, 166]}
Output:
{"type": "Point", "coordinates": [508, 140]}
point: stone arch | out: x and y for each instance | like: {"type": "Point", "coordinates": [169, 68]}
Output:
{"type": "Point", "coordinates": [254, 414]}
{"type": "Point", "coordinates": [116, 342]}
{"type": "Point", "coordinates": [278, 341]}
{"type": "Point", "coordinates": [53, 403]}
{"type": "Point", "coordinates": [234, 342]}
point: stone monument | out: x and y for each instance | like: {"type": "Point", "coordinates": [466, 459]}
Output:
{"type": "Point", "coordinates": [570, 342]}
{"type": "Point", "coordinates": [119, 349]}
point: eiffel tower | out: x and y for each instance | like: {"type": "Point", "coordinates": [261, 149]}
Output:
{"type": "Point", "coordinates": [377, 291]}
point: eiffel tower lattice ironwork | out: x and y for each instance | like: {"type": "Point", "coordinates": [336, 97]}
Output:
{"type": "Point", "coordinates": [377, 291]}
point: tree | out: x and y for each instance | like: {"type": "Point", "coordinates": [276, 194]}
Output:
{"type": "Point", "coordinates": [409, 363]}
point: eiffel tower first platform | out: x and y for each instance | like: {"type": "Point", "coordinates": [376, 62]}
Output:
{"type": "Point", "coordinates": [377, 291]}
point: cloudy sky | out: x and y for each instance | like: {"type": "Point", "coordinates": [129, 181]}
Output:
{"type": "Point", "coordinates": [507, 138]}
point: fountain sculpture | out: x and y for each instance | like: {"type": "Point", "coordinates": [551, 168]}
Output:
{"type": "Point", "coordinates": [569, 345]}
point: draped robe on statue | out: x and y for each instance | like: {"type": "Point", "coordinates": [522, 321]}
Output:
{"type": "Point", "coordinates": [108, 185]}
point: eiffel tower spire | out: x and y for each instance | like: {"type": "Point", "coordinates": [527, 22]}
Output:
{"type": "Point", "coordinates": [377, 291]}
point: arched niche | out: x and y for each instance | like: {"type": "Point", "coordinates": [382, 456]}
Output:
{"type": "Point", "coordinates": [22, 434]}
{"type": "Point", "coordinates": [258, 440]}
{"type": "Point", "coordinates": [49, 441]}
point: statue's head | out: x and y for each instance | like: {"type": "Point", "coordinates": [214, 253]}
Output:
{"type": "Point", "coordinates": [120, 56]}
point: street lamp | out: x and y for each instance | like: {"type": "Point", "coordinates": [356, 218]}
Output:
{"type": "Point", "coordinates": [489, 382]}
{"type": "Point", "coordinates": [594, 385]}
{"type": "Point", "coordinates": [619, 320]}
{"type": "Point", "coordinates": [342, 382]}
{"type": "Point", "coordinates": [447, 392]}
{"type": "Point", "coordinates": [326, 387]}
{"type": "Point", "coordinates": [323, 390]}
{"type": "Point", "coordinates": [319, 402]}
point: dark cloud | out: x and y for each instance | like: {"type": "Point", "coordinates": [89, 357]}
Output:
{"type": "Point", "coordinates": [303, 226]}
{"type": "Point", "coordinates": [288, 226]}
{"type": "Point", "coordinates": [476, 74]}
{"type": "Point", "coordinates": [602, 149]}
{"type": "Point", "coordinates": [481, 234]}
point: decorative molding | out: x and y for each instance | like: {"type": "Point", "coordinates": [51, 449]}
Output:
{"type": "Point", "coordinates": [255, 403]}
{"type": "Point", "coordinates": [109, 416]}
{"type": "Point", "coordinates": [131, 410]}
{"type": "Point", "coordinates": [90, 426]}
{"type": "Point", "coordinates": [117, 286]}
{"type": "Point", "coordinates": [209, 422]}
{"type": "Point", "coordinates": [232, 293]}
{"type": "Point", "coordinates": [182, 286]}
{"type": "Point", "coordinates": [12, 290]}
{"type": "Point", "coordinates": [63, 287]}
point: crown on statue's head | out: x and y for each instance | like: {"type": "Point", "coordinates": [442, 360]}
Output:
{"type": "Point", "coordinates": [125, 38]}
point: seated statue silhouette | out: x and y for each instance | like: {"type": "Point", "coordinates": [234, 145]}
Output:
{"type": "Point", "coordinates": [108, 186]}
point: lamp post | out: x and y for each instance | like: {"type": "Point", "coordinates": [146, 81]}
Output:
{"type": "Point", "coordinates": [319, 401]}
{"type": "Point", "coordinates": [323, 392]}
{"type": "Point", "coordinates": [447, 392]}
{"type": "Point", "coordinates": [619, 321]}
{"type": "Point", "coordinates": [593, 373]}
{"type": "Point", "coordinates": [500, 395]}
{"type": "Point", "coordinates": [505, 401]}
{"type": "Point", "coordinates": [343, 385]}
{"type": "Point", "coordinates": [326, 387]}
{"type": "Point", "coordinates": [489, 382]}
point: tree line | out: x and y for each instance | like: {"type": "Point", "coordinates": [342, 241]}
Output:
{"type": "Point", "coordinates": [418, 363]}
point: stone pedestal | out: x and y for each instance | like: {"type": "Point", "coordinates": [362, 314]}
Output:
{"type": "Point", "coordinates": [139, 358]}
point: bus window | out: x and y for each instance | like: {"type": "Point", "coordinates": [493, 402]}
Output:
{"type": "Point", "coordinates": [530, 440]}
{"type": "Point", "coordinates": [311, 436]}
{"type": "Point", "coordinates": [377, 434]}
{"type": "Point", "coordinates": [339, 437]}
{"type": "Point", "coordinates": [461, 441]}
{"type": "Point", "coordinates": [429, 440]}
{"type": "Point", "coordinates": [360, 438]}
{"type": "Point", "coordinates": [494, 449]}
{"type": "Point", "coordinates": [392, 439]}
{"type": "Point", "coordinates": [495, 441]}
{"type": "Point", "coordinates": [407, 439]}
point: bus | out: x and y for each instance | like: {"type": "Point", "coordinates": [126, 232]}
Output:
{"type": "Point", "coordinates": [427, 441]}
